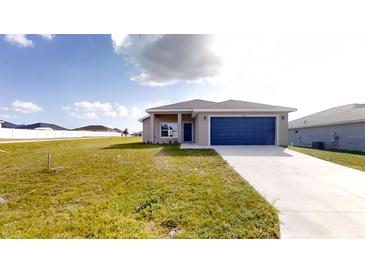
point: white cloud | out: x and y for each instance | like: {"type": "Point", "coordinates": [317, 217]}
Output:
{"type": "Point", "coordinates": [168, 59]}
{"type": "Point", "coordinates": [122, 111]}
{"type": "Point", "coordinates": [48, 37]}
{"type": "Point", "coordinates": [93, 106]}
{"type": "Point", "coordinates": [135, 111]}
{"type": "Point", "coordinates": [24, 107]}
{"type": "Point", "coordinates": [112, 114]}
{"type": "Point", "coordinates": [120, 41]}
{"type": "Point", "coordinates": [92, 110]}
{"type": "Point", "coordinates": [85, 116]}
{"type": "Point", "coordinates": [19, 39]}
{"type": "Point", "coordinates": [307, 71]}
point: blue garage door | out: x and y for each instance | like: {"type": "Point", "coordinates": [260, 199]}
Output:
{"type": "Point", "coordinates": [242, 130]}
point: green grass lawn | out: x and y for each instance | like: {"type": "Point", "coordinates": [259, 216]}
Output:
{"type": "Point", "coordinates": [347, 158]}
{"type": "Point", "coordinates": [120, 188]}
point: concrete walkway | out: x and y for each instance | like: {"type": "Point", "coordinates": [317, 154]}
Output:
{"type": "Point", "coordinates": [316, 198]}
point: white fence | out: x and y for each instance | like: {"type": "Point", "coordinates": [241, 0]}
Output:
{"type": "Point", "coordinates": [12, 133]}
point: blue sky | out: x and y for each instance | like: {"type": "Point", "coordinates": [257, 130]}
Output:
{"type": "Point", "coordinates": [68, 69]}
{"type": "Point", "coordinates": [75, 80]}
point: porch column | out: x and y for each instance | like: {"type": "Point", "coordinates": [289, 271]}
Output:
{"type": "Point", "coordinates": [152, 128]}
{"type": "Point", "coordinates": [179, 131]}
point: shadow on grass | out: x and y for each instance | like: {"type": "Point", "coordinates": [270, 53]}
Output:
{"type": "Point", "coordinates": [166, 149]}
{"type": "Point", "coordinates": [359, 153]}
{"type": "Point", "coordinates": [137, 145]}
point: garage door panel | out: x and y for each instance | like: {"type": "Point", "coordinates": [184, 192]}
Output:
{"type": "Point", "coordinates": [242, 130]}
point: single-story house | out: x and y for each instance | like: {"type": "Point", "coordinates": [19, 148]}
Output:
{"type": "Point", "coordinates": [341, 128]}
{"type": "Point", "coordinates": [208, 123]}
{"type": "Point", "coordinates": [139, 133]}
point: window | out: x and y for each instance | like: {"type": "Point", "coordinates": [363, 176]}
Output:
{"type": "Point", "coordinates": [168, 130]}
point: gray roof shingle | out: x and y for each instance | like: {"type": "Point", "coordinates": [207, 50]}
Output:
{"type": "Point", "coordinates": [338, 115]}
{"type": "Point", "coordinates": [188, 105]}
{"type": "Point", "coordinates": [225, 105]}
{"type": "Point", "coordinates": [236, 104]}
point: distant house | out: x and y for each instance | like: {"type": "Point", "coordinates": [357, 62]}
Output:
{"type": "Point", "coordinates": [209, 123]}
{"type": "Point", "coordinates": [95, 128]}
{"type": "Point", "coordinates": [340, 127]}
{"type": "Point", "coordinates": [137, 133]}
{"type": "Point", "coordinates": [42, 126]}
{"type": "Point", "coordinates": [1, 123]}
{"type": "Point", "coordinates": [6, 124]}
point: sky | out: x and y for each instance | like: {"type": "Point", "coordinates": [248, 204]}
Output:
{"type": "Point", "coordinates": [77, 80]}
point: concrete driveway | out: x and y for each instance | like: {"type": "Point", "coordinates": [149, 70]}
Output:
{"type": "Point", "coordinates": [316, 198]}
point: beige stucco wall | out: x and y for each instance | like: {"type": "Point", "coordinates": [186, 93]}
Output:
{"type": "Point", "coordinates": [161, 118]}
{"type": "Point", "coordinates": [147, 131]}
{"type": "Point", "coordinates": [201, 126]}
{"type": "Point", "coordinates": [283, 129]}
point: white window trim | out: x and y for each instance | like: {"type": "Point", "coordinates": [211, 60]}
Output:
{"type": "Point", "coordinates": [249, 115]}
{"type": "Point", "coordinates": [168, 137]}
{"type": "Point", "coordinates": [192, 131]}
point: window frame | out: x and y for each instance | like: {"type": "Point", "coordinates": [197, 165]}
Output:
{"type": "Point", "coordinates": [168, 137]}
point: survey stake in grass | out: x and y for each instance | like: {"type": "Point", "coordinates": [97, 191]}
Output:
{"type": "Point", "coordinates": [121, 188]}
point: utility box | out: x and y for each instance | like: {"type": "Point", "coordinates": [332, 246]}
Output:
{"type": "Point", "coordinates": [318, 145]}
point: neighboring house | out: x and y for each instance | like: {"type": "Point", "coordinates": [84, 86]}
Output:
{"type": "Point", "coordinates": [95, 128]}
{"type": "Point", "coordinates": [44, 128]}
{"type": "Point", "coordinates": [208, 123]}
{"type": "Point", "coordinates": [1, 123]}
{"type": "Point", "coordinates": [6, 124]}
{"type": "Point", "coordinates": [41, 125]}
{"type": "Point", "coordinates": [341, 127]}
{"type": "Point", "coordinates": [140, 133]}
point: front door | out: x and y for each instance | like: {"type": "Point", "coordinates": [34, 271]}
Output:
{"type": "Point", "coordinates": [188, 132]}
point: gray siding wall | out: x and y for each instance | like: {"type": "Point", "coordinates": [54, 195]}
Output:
{"type": "Point", "coordinates": [350, 136]}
